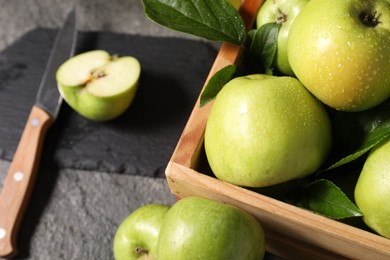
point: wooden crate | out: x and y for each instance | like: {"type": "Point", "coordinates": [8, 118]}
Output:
{"type": "Point", "coordinates": [291, 232]}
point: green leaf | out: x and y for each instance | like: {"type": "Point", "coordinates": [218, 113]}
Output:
{"type": "Point", "coordinates": [216, 83]}
{"type": "Point", "coordinates": [215, 20]}
{"type": "Point", "coordinates": [263, 46]}
{"type": "Point", "coordinates": [357, 133]}
{"type": "Point", "coordinates": [325, 198]}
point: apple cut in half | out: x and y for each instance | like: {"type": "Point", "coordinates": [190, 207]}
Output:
{"type": "Point", "coordinates": [97, 85]}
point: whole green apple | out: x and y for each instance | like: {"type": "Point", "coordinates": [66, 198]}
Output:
{"type": "Point", "coordinates": [282, 12]}
{"type": "Point", "coordinates": [264, 130]}
{"type": "Point", "coordinates": [198, 228]}
{"type": "Point", "coordinates": [137, 236]}
{"type": "Point", "coordinates": [98, 86]}
{"type": "Point", "coordinates": [372, 191]}
{"type": "Point", "coordinates": [340, 52]}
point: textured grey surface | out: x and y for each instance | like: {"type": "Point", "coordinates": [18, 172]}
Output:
{"type": "Point", "coordinates": [124, 16]}
{"type": "Point", "coordinates": [74, 214]}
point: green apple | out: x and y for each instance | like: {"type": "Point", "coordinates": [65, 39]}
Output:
{"type": "Point", "coordinates": [372, 190]}
{"type": "Point", "coordinates": [198, 228]}
{"type": "Point", "coordinates": [284, 13]}
{"type": "Point", "coordinates": [340, 52]}
{"type": "Point", "coordinates": [264, 130]}
{"type": "Point", "coordinates": [137, 236]}
{"type": "Point", "coordinates": [98, 86]}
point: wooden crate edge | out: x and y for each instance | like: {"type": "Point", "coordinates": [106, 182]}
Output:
{"type": "Point", "coordinates": [280, 217]}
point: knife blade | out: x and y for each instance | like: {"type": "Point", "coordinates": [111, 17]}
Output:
{"type": "Point", "coordinates": [20, 178]}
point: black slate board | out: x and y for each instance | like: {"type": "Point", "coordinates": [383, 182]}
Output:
{"type": "Point", "coordinates": [141, 141]}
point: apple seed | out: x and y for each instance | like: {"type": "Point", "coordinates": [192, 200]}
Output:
{"type": "Point", "coordinates": [99, 74]}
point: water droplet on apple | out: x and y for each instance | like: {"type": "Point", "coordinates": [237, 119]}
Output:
{"type": "Point", "coordinates": [351, 45]}
{"type": "Point", "coordinates": [341, 67]}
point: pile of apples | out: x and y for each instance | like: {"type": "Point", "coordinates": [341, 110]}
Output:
{"type": "Point", "coordinates": [193, 228]}
{"type": "Point", "coordinates": [262, 130]}
{"type": "Point", "coordinates": [332, 54]}
{"type": "Point", "coordinates": [265, 130]}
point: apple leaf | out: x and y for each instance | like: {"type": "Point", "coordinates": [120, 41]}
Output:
{"type": "Point", "coordinates": [263, 44]}
{"type": "Point", "coordinates": [215, 20]}
{"type": "Point", "coordinates": [325, 198]}
{"type": "Point", "coordinates": [217, 82]}
{"type": "Point", "coordinates": [357, 133]}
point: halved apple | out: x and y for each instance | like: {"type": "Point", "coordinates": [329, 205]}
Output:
{"type": "Point", "coordinates": [97, 85]}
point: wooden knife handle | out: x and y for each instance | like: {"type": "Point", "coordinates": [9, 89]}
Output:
{"type": "Point", "coordinates": [18, 184]}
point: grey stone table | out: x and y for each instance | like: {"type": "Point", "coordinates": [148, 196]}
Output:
{"type": "Point", "coordinates": [79, 219]}
{"type": "Point", "coordinates": [80, 211]}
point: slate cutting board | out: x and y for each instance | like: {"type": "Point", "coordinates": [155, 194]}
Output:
{"type": "Point", "coordinates": [141, 141]}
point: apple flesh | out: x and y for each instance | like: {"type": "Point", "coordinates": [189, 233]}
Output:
{"type": "Point", "coordinates": [198, 228]}
{"type": "Point", "coordinates": [372, 191]}
{"type": "Point", "coordinates": [282, 12]}
{"type": "Point", "coordinates": [264, 130]}
{"type": "Point", "coordinates": [340, 52]}
{"type": "Point", "coordinates": [98, 86]}
{"type": "Point", "coordinates": [137, 235]}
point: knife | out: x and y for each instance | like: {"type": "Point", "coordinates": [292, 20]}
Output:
{"type": "Point", "coordinates": [21, 174]}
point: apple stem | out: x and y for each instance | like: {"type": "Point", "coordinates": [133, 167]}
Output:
{"type": "Point", "coordinates": [282, 17]}
{"type": "Point", "coordinates": [114, 57]}
{"type": "Point", "coordinates": [370, 19]}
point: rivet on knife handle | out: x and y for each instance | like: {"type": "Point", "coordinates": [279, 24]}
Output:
{"type": "Point", "coordinates": [19, 181]}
